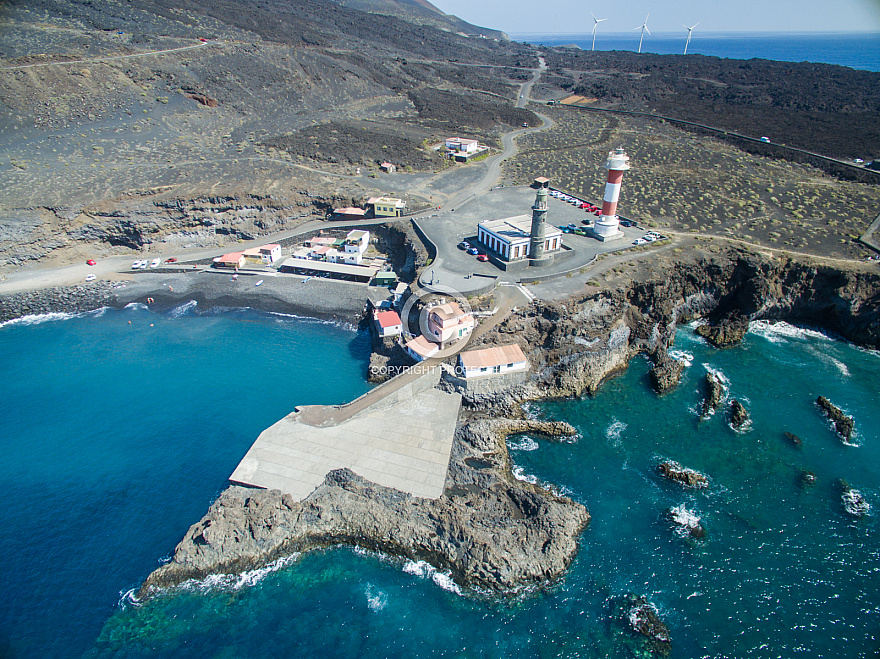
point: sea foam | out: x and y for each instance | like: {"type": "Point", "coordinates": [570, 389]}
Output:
{"type": "Point", "coordinates": [780, 331]}
{"type": "Point", "coordinates": [38, 319]}
{"type": "Point", "coordinates": [428, 571]}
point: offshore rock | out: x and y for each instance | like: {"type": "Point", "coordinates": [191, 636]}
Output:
{"type": "Point", "coordinates": [666, 373]}
{"type": "Point", "coordinates": [489, 530]}
{"type": "Point", "coordinates": [686, 522]}
{"type": "Point", "coordinates": [642, 620]}
{"type": "Point", "coordinates": [794, 439]}
{"type": "Point", "coordinates": [854, 501]}
{"type": "Point", "coordinates": [808, 478]}
{"type": "Point", "coordinates": [843, 424]}
{"type": "Point", "coordinates": [714, 394]}
{"type": "Point", "coordinates": [727, 333]}
{"type": "Point", "coordinates": [687, 477]}
{"type": "Point", "coordinates": [739, 417]}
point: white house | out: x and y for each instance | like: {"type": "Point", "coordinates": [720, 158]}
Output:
{"type": "Point", "coordinates": [265, 255]}
{"type": "Point", "coordinates": [492, 361]}
{"type": "Point", "coordinates": [462, 145]}
{"type": "Point", "coordinates": [511, 237]}
{"type": "Point", "coordinates": [387, 323]}
{"type": "Point", "coordinates": [447, 323]}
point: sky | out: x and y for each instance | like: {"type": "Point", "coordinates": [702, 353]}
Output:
{"type": "Point", "coordinates": [573, 16]}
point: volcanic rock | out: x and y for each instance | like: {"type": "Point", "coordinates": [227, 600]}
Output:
{"type": "Point", "coordinates": [686, 522]}
{"type": "Point", "coordinates": [843, 424]}
{"type": "Point", "coordinates": [714, 394]}
{"type": "Point", "coordinates": [854, 501]}
{"type": "Point", "coordinates": [738, 415]}
{"type": "Point", "coordinates": [727, 333]}
{"type": "Point", "coordinates": [640, 617]}
{"type": "Point", "coordinates": [808, 478]}
{"type": "Point", "coordinates": [687, 477]}
{"type": "Point", "coordinates": [666, 373]}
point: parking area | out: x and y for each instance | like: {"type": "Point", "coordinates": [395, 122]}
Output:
{"type": "Point", "coordinates": [448, 228]}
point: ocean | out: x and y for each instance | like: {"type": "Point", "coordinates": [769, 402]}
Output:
{"type": "Point", "coordinates": [858, 51]}
{"type": "Point", "coordinates": [118, 436]}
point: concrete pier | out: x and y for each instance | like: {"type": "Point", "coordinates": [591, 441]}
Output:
{"type": "Point", "coordinates": [401, 439]}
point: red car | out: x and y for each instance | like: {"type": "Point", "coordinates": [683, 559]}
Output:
{"type": "Point", "coordinates": [171, 260]}
{"type": "Point", "coordinates": [482, 257]}
{"type": "Point", "coordinates": [91, 262]}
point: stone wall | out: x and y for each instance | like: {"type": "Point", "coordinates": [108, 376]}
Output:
{"type": "Point", "coordinates": [485, 384]}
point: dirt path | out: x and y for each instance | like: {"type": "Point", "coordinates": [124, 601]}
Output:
{"type": "Point", "coordinates": [109, 59]}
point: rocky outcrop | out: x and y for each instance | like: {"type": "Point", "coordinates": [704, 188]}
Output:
{"type": "Point", "coordinates": [727, 333]}
{"type": "Point", "coordinates": [843, 424]}
{"type": "Point", "coordinates": [739, 417]}
{"type": "Point", "coordinates": [686, 522]}
{"type": "Point", "coordinates": [666, 373]}
{"type": "Point", "coordinates": [714, 394]}
{"type": "Point", "coordinates": [641, 619]}
{"type": "Point", "coordinates": [62, 299]}
{"type": "Point", "coordinates": [489, 530]}
{"type": "Point", "coordinates": [808, 478]}
{"type": "Point", "coordinates": [687, 477]}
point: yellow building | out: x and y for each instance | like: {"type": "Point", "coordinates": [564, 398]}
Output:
{"type": "Point", "coordinates": [387, 206]}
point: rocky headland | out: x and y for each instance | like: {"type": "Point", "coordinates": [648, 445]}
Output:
{"type": "Point", "coordinates": [490, 530]}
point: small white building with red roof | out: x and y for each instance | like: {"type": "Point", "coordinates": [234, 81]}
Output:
{"type": "Point", "coordinates": [387, 323]}
{"type": "Point", "coordinates": [492, 361]}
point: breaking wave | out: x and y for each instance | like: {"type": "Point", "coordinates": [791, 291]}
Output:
{"type": "Point", "coordinates": [682, 356]}
{"type": "Point", "coordinates": [523, 443]}
{"type": "Point", "coordinates": [426, 571]}
{"type": "Point", "coordinates": [376, 599]}
{"type": "Point", "coordinates": [38, 319]}
{"type": "Point", "coordinates": [779, 331]}
{"type": "Point", "coordinates": [614, 431]}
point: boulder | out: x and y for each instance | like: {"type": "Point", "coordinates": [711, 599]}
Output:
{"type": "Point", "coordinates": [808, 478]}
{"type": "Point", "coordinates": [843, 424]}
{"type": "Point", "coordinates": [686, 522]}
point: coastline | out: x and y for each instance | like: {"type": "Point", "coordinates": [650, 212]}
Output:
{"type": "Point", "coordinates": [573, 347]}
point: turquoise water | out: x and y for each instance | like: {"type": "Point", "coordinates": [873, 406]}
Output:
{"type": "Point", "coordinates": [784, 571]}
{"type": "Point", "coordinates": [858, 51]}
{"type": "Point", "coordinates": [119, 429]}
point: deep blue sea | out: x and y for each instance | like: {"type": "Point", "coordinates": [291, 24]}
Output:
{"type": "Point", "coordinates": [859, 51]}
{"type": "Point", "coordinates": [118, 436]}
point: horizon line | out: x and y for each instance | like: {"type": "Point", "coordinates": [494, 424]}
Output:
{"type": "Point", "coordinates": [704, 32]}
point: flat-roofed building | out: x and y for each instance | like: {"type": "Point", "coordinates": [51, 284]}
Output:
{"type": "Point", "coordinates": [387, 206]}
{"type": "Point", "coordinates": [492, 361]}
{"type": "Point", "coordinates": [420, 349]}
{"type": "Point", "coordinates": [510, 237]}
{"type": "Point", "coordinates": [232, 260]}
{"type": "Point", "coordinates": [348, 213]}
{"type": "Point", "coordinates": [448, 323]}
{"type": "Point", "coordinates": [462, 144]}
{"type": "Point", "coordinates": [312, 268]}
{"type": "Point", "coordinates": [264, 255]}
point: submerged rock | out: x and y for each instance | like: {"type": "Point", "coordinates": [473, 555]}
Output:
{"type": "Point", "coordinates": [666, 373]}
{"type": "Point", "coordinates": [808, 478]}
{"type": "Point", "coordinates": [714, 394]}
{"type": "Point", "coordinates": [739, 417]}
{"type": "Point", "coordinates": [687, 477]}
{"type": "Point", "coordinates": [854, 501]}
{"type": "Point", "coordinates": [686, 522]}
{"type": "Point", "coordinates": [640, 618]}
{"type": "Point", "coordinates": [726, 333]}
{"type": "Point", "coordinates": [794, 439]}
{"type": "Point", "coordinates": [843, 424]}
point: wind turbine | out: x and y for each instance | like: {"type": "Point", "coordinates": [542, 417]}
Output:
{"type": "Point", "coordinates": [689, 29]}
{"type": "Point", "coordinates": [644, 28]}
{"type": "Point", "coordinates": [596, 22]}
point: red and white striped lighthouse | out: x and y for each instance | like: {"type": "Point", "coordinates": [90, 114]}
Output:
{"type": "Point", "coordinates": [607, 226]}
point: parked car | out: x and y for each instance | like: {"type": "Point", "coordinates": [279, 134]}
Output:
{"type": "Point", "coordinates": [525, 125]}
{"type": "Point", "coordinates": [91, 262]}
{"type": "Point", "coordinates": [464, 245]}
{"type": "Point", "coordinates": [90, 277]}
{"type": "Point", "coordinates": [171, 260]}
{"type": "Point", "coordinates": [597, 213]}
{"type": "Point", "coordinates": [155, 263]}
{"type": "Point", "coordinates": [473, 251]}
{"type": "Point", "coordinates": [136, 265]}
{"type": "Point", "coordinates": [482, 257]}
{"type": "Point", "coordinates": [144, 264]}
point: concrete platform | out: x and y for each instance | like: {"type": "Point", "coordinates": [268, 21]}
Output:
{"type": "Point", "coordinates": [402, 442]}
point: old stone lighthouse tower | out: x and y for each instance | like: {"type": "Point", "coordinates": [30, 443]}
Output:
{"type": "Point", "coordinates": [537, 254]}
